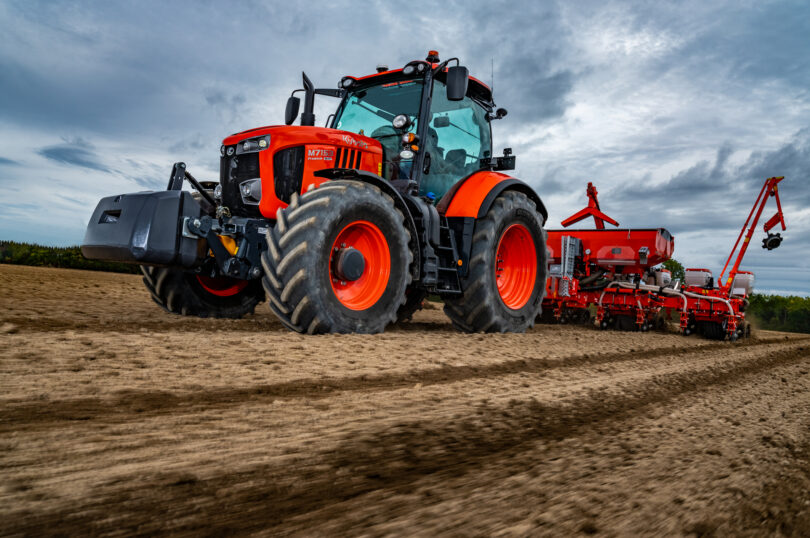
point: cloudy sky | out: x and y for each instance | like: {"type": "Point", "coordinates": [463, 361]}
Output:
{"type": "Point", "coordinates": [677, 111]}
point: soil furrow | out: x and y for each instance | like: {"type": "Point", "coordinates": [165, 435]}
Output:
{"type": "Point", "coordinates": [392, 458]}
{"type": "Point", "coordinates": [137, 405]}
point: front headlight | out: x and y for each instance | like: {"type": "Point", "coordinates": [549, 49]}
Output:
{"type": "Point", "coordinates": [401, 121]}
{"type": "Point", "coordinates": [251, 191]}
{"type": "Point", "coordinates": [253, 144]}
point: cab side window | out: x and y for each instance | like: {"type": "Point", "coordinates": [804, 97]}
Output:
{"type": "Point", "coordinates": [458, 138]}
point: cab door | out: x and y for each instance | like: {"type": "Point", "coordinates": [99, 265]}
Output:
{"type": "Point", "coordinates": [458, 137]}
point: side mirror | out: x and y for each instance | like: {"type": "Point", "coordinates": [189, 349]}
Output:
{"type": "Point", "coordinates": [498, 114]}
{"type": "Point", "coordinates": [293, 103]}
{"type": "Point", "coordinates": [457, 79]}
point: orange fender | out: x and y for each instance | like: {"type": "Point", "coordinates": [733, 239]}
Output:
{"type": "Point", "coordinates": [473, 195]}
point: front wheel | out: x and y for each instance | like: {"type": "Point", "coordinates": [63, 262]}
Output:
{"type": "Point", "coordinates": [506, 280]}
{"type": "Point", "coordinates": [191, 294]}
{"type": "Point", "coordinates": [337, 260]}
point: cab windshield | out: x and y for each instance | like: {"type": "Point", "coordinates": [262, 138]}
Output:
{"type": "Point", "coordinates": [369, 111]}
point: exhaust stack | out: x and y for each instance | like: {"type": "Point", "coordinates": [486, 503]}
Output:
{"type": "Point", "coordinates": [308, 116]}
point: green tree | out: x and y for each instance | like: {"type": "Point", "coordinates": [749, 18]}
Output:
{"type": "Point", "coordinates": [780, 313]}
{"type": "Point", "coordinates": [675, 268]}
{"type": "Point", "coordinates": [68, 257]}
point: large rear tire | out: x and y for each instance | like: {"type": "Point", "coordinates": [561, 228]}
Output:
{"type": "Point", "coordinates": [314, 278]}
{"type": "Point", "coordinates": [190, 294]}
{"type": "Point", "coordinates": [506, 282]}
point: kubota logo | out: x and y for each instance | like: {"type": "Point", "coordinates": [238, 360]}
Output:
{"type": "Point", "coordinates": [352, 142]}
{"type": "Point", "coordinates": [320, 154]}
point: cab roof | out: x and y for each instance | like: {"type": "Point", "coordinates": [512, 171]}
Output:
{"type": "Point", "coordinates": [476, 89]}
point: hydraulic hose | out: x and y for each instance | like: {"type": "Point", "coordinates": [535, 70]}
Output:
{"type": "Point", "coordinates": [583, 282]}
{"type": "Point", "coordinates": [647, 287]}
{"type": "Point", "coordinates": [709, 297]}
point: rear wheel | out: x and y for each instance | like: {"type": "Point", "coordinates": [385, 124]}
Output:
{"type": "Point", "coordinates": [191, 294]}
{"type": "Point", "coordinates": [337, 260]}
{"type": "Point", "coordinates": [506, 281]}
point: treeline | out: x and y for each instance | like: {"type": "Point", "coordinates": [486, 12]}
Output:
{"type": "Point", "coordinates": [772, 312]}
{"type": "Point", "coordinates": [64, 257]}
{"type": "Point", "coordinates": [779, 313]}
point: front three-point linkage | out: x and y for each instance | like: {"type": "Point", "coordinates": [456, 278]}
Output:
{"type": "Point", "coordinates": [242, 235]}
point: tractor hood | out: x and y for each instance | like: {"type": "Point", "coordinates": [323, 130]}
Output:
{"type": "Point", "coordinates": [291, 135]}
{"type": "Point", "coordinates": [262, 168]}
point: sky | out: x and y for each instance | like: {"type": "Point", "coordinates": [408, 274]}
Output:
{"type": "Point", "coordinates": [676, 111]}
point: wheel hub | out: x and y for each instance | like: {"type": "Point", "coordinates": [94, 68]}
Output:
{"type": "Point", "coordinates": [349, 264]}
{"type": "Point", "coordinates": [360, 265]}
{"type": "Point", "coordinates": [222, 286]}
{"type": "Point", "coordinates": [516, 266]}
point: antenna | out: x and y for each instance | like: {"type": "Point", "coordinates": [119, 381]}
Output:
{"type": "Point", "coordinates": [492, 75]}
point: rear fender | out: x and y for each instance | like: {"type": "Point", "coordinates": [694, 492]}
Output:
{"type": "Point", "coordinates": [474, 195]}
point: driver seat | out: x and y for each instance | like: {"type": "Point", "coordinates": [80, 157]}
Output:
{"type": "Point", "coordinates": [456, 158]}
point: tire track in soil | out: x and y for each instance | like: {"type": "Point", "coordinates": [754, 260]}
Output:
{"type": "Point", "coordinates": [174, 323]}
{"type": "Point", "coordinates": [779, 510]}
{"type": "Point", "coordinates": [394, 459]}
{"type": "Point", "coordinates": [137, 405]}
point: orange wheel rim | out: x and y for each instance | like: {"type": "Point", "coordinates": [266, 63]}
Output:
{"type": "Point", "coordinates": [364, 292]}
{"type": "Point", "coordinates": [222, 286]}
{"type": "Point", "coordinates": [516, 266]}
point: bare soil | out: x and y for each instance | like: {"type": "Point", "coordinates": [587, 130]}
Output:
{"type": "Point", "coordinates": [118, 418]}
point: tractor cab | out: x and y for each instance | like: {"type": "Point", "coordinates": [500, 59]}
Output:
{"type": "Point", "coordinates": [431, 121]}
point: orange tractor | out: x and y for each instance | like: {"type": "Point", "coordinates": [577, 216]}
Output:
{"type": "Point", "coordinates": [347, 228]}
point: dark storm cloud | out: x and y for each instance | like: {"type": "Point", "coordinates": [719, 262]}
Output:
{"type": "Point", "coordinates": [715, 191]}
{"type": "Point", "coordinates": [761, 44]}
{"type": "Point", "coordinates": [22, 207]}
{"type": "Point", "coordinates": [195, 142]}
{"type": "Point", "coordinates": [123, 68]}
{"type": "Point", "coordinates": [552, 181]}
{"type": "Point", "coordinates": [7, 162]}
{"type": "Point", "coordinates": [548, 95]}
{"type": "Point", "coordinates": [531, 78]}
{"type": "Point", "coordinates": [117, 68]}
{"type": "Point", "coordinates": [74, 153]}
{"type": "Point", "coordinates": [150, 183]}
{"type": "Point", "coordinates": [147, 175]}
{"type": "Point", "coordinates": [218, 98]}
{"type": "Point", "coordinates": [791, 160]}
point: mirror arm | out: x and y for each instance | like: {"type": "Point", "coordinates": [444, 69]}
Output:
{"type": "Point", "coordinates": [329, 92]}
{"type": "Point", "coordinates": [441, 66]}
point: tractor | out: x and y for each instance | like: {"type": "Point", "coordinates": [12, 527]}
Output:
{"type": "Point", "coordinates": [348, 227]}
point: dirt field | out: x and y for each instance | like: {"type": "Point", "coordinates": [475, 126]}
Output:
{"type": "Point", "coordinates": [117, 418]}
